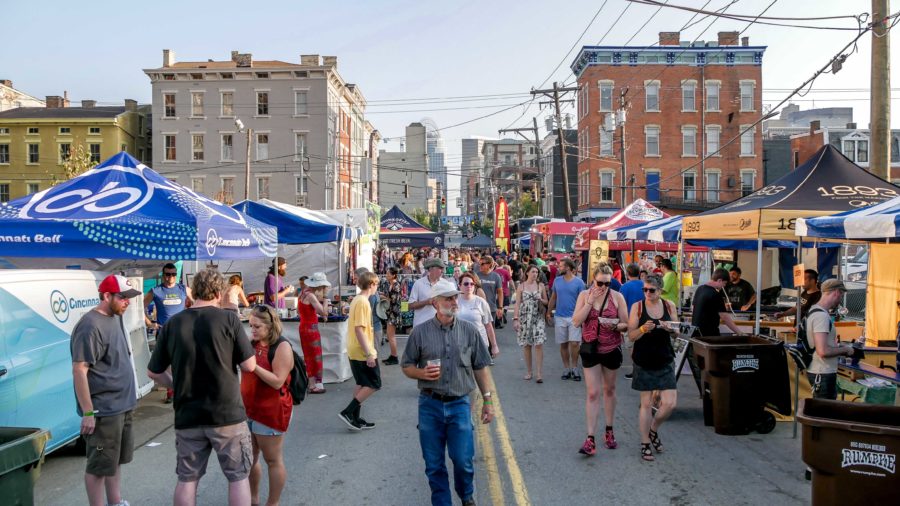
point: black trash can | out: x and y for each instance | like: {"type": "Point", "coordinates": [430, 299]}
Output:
{"type": "Point", "coordinates": [740, 376]}
{"type": "Point", "coordinates": [852, 450]}
{"type": "Point", "coordinates": [21, 455]}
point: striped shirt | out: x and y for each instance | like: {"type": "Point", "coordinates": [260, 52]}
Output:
{"type": "Point", "coordinates": [458, 346]}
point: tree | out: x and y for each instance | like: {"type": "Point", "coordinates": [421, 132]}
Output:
{"type": "Point", "coordinates": [78, 162]}
{"type": "Point", "coordinates": [424, 218]}
{"type": "Point", "coordinates": [524, 207]}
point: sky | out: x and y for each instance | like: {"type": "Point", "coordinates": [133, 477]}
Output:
{"type": "Point", "coordinates": [452, 61]}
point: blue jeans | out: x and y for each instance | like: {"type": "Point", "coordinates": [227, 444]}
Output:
{"type": "Point", "coordinates": [447, 425]}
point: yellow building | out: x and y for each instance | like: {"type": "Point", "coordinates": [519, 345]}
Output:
{"type": "Point", "coordinates": [35, 141]}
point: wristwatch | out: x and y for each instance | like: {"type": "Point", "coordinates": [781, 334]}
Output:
{"type": "Point", "coordinates": [487, 395]}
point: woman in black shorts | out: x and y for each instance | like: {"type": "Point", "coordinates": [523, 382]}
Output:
{"type": "Point", "coordinates": [654, 361]}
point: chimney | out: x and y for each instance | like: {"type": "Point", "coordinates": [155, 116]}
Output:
{"type": "Point", "coordinates": [851, 126]}
{"type": "Point", "coordinates": [309, 59]}
{"type": "Point", "coordinates": [168, 58]}
{"type": "Point", "coordinates": [329, 61]}
{"type": "Point", "coordinates": [814, 125]}
{"type": "Point", "coordinates": [88, 104]}
{"type": "Point", "coordinates": [6, 82]}
{"type": "Point", "coordinates": [745, 41]}
{"type": "Point", "coordinates": [55, 102]}
{"type": "Point", "coordinates": [130, 105]}
{"type": "Point", "coordinates": [242, 59]}
{"type": "Point", "coordinates": [728, 38]}
{"type": "Point", "coordinates": [669, 38]}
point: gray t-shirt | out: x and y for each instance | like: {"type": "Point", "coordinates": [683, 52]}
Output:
{"type": "Point", "coordinates": [489, 283]}
{"type": "Point", "coordinates": [100, 341]}
{"type": "Point", "coordinates": [820, 321]}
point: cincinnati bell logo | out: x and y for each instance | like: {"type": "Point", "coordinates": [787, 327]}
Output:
{"type": "Point", "coordinates": [59, 306]}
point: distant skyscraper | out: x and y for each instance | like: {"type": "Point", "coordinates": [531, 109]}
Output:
{"type": "Point", "coordinates": [437, 169]}
{"type": "Point", "coordinates": [470, 171]}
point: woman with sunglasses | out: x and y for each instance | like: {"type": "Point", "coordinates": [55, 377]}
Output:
{"type": "Point", "coordinates": [649, 327]}
{"type": "Point", "coordinates": [268, 400]}
{"type": "Point", "coordinates": [313, 303]}
{"type": "Point", "coordinates": [602, 315]}
{"type": "Point", "coordinates": [528, 320]}
{"type": "Point", "coordinates": [475, 309]}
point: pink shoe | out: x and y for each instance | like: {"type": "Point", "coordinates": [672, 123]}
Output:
{"type": "Point", "coordinates": [589, 448]}
{"type": "Point", "coordinates": [611, 440]}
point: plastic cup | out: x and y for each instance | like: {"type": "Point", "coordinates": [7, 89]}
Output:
{"type": "Point", "coordinates": [435, 361]}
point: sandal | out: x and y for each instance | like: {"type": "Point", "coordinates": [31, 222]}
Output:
{"type": "Point", "coordinates": [527, 377]}
{"type": "Point", "coordinates": [539, 380]}
{"type": "Point", "coordinates": [654, 440]}
{"type": "Point", "coordinates": [317, 390]}
{"type": "Point", "coordinates": [646, 454]}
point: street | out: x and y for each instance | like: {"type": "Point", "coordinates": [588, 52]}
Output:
{"type": "Point", "coordinates": [528, 455]}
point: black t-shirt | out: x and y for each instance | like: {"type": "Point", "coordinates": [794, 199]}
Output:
{"type": "Point", "coordinates": [708, 303]}
{"type": "Point", "coordinates": [739, 293]}
{"type": "Point", "coordinates": [807, 300]}
{"type": "Point", "coordinates": [515, 266]}
{"type": "Point", "coordinates": [204, 346]}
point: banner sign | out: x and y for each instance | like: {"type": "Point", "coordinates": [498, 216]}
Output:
{"type": "Point", "coordinates": [598, 253]}
{"type": "Point", "coordinates": [501, 225]}
{"type": "Point", "coordinates": [798, 275]}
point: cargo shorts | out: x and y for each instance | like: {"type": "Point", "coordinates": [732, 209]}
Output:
{"type": "Point", "coordinates": [232, 444]}
{"type": "Point", "coordinates": [110, 445]}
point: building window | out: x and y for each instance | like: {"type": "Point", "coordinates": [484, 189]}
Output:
{"type": "Point", "coordinates": [33, 130]}
{"type": "Point", "coordinates": [262, 103]}
{"type": "Point", "coordinates": [747, 141]}
{"type": "Point", "coordinates": [652, 140]}
{"type": "Point", "coordinates": [34, 153]}
{"type": "Point", "coordinates": [197, 184]}
{"type": "Point", "coordinates": [652, 92]}
{"type": "Point", "coordinates": [606, 100]}
{"type": "Point", "coordinates": [227, 147]}
{"type": "Point", "coordinates": [4, 192]}
{"type": "Point", "coordinates": [227, 103]}
{"type": "Point", "coordinates": [262, 147]}
{"type": "Point", "coordinates": [688, 141]}
{"type": "Point", "coordinates": [32, 188]}
{"type": "Point", "coordinates": [299, 146]}
{"type": "Point", "coordinates": [65, 130]}
{"type": "Point", "coordinates": [65, 151]}
{"type": "Point", "coordinates": [197, 147]}
{"type": "Point", "coordinates": [169, 143]}
{"type": "Point", "coordinates": [606, 186]}
{"type": "Point", "coordinates": [262, 187]}
{"type": "Point", "coordinates": [94, 130]}
{"type": "Point", "coordinates": [606, 143]}
{"type": "Point", "coordinates": [227, 189]}
{"type": "Point", "coordinates": [747, 95]}
{"type": "Point", "coordinates": [747, 182]}
{"type": "Point", "coordinates": [4, 153]}
{"type": "Point", "coordinates": [712, 186]}
{"type": "Point", "coordinates": [862, 151]}
{"type": "Point", "coordinates": [141, 154]}
{"type": "Point", "coordinates": [196, 103]}
{"type": "Point", "coordinates": [712, 96]}
{"type": "Point", "coordinates": [712, 140]}
{"type": "Point", "coordinates": [300, 103]}
{"type": "Point", "coordinates": [302, 183]}
{"type": "Point", "coordinates": [4, 131]}
{"type": "Point", "coordinates": [689, 185]}
{"type": "Point", "coordinates": [796, 159]}
{"type": "Point", "coordinates": [95, 153]}
{"type": "Point", "coordinates": [689, 96]}
{"type": "Point", "coordinates": [168, 105]}
{"type": "Point", "coordinates": [856, 149]}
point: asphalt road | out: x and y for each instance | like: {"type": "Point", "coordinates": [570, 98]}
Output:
{"type": "Point", "coordinates": [527, 456]}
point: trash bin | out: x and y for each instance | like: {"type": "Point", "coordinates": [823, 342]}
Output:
{"type": "Point", "coordinates": [852, 449]}
{"type": "Point", "coordinates": [21, 454]}
{"type": "Point", "coordinates": [740, 376]}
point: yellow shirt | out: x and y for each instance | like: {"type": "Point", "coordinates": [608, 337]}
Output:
{"type": "Point", "coordinates": [360, 316]}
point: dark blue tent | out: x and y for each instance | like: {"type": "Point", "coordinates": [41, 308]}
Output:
{"type": "Point", "coordinates": [399, 230]}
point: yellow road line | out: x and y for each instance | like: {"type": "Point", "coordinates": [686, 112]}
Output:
{"type": "Point", "coordinates": [520, 491]}
{"type": "Point", "coordinates": [490, 459]}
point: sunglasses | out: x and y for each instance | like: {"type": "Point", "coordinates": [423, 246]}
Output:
{"type": "Point", "coordinates": [603, 283]}
{"type": "Point", "coordinates": [170, 274]}
{"type": "Point", "coordinates": [649, 290]}
{"type": "Point", "coordinates": [467, 284]}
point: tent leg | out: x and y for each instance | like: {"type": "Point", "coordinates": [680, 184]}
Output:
{"type": "Point", "coordinates": [759, 251]}
{"type": "Point", "coordinates": [794, 406]}
{"type": "Point", "coordinates": [680, 258]}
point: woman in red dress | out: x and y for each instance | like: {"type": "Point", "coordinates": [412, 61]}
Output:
{"type": "Point", "coordinates": [312, 304]}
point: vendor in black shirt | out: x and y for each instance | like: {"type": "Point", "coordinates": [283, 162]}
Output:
{"type": "Point", "coordinates": [808, 297]}
{"type": "Point", "coordinates": [709, 306]}
{"type": "Point", "coordinates": [741, 294]}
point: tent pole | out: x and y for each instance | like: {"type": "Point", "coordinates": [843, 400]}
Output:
{"type": "Point", "coordinates": [759, 252]}
{"type": "Point", "coordinates": [680, 257]}
{"type": "Point", "coordinates": [797, 373]}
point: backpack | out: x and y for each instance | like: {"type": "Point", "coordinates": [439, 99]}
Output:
{"type": "Point", "coordinates": [299, 382]}
{"type": "Point", "coordinates": [806, 344]}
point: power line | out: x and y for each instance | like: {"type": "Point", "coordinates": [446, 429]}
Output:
{"type": "Point", "coordinates": [740, 17]}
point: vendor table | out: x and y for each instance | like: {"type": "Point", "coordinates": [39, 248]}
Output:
{"type": "Point", "coordinates": [869, 395]}
{"type": "Point", "coordinates": [336, 364]}
{"type": "Point", "coordinates": [871, 370]}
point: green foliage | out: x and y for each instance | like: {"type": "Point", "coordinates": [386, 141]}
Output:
{"type": "Point", "coordinates": [78, 163]}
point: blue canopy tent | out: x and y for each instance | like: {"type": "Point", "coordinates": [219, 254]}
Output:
{"type": "Point", "coordinates": [295, 225]}
{"type": "Point", "coordinates": [399, 230]}
{"type": "Point", "coordinates": [881, 221]}
{"type": "Point", "coordinates": [122, 209]}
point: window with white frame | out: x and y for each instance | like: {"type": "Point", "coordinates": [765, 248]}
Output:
{"type": "Point", "coordinates": [169, 148]}
{"type": "Point", "coordinates": [196, 103]}
{"type": "Point", "coordinates": [65, 130]}
{"type": "Point", "coordinates": [300, 103]}
{"type": "Point", "coordinates": [4, 153]}
{"type": "Point", "coordinates": [4, 192]}
{"type": "Point", "coordinates": [65, 151]}
{"type": "Point", "coordinates": [95, 152]}
{"type": "Point", "coordinates": [227, 147]}
{"type": "Point", "coordinates": [262, 187]}
{"type": "Point", "coordinates": [606, 186]}
{"type": "Point", "coordinates": [197, 147]}
{"type": "Point", "coordinates": [31, 188]}
{"type": "Point", "coordinates": [302, 183]}
{"type": "Point", "coordinates": [4, 131]}
{"type": "Point", "coordinates": [712, 96]}
{"type": "Point", "coordinates": [748, 178]}
{"type": "Point", "coordinates": [586, 149]}
{"type": "Point", "coordinates": [747, 88]}
{"type": "Point", "coordinates": [713, 181]}
{"type": "Point", "coordinates": [33, 130]}
{"type": "Point", "coordinates": [262, 103]}
{"type": "Point", "coordinates": [651, 90]}
{"type": "Point", "coordinates": [34, 153]}
{"type": "Point", "coordinates": [689, 96]}
{"type": "Point", "coordinates": [688, 141]}
{"type": "Point", "coordinates": [606, 96]}
{"type": "Point", "coordinates": [606, 143]}
{"type": "Point", "coordinates": [713, 132]}
{"type": "Point", "coordinates": [94, 130]}
{"type": "Point", "coordinates": [262, 147]}
{"type": "Point", "coordinates": [689, 185]}
{"type": "Point", "coordinates": [856, 147]}
{"type": "Point", "coordinates": [651, 134]}
{"type": "Point", "coordinates": [227, 188]}
{"type": "Point", "coordinates": [747, 140]}
{"type": "Point", "coordinates": [168, 105]}
{"type": "Point", "coordinates": [227, 103]}
{"type": "Point", "coordinates": [299, 145]}
{"type": "Point", "coordinates": [197, 184]}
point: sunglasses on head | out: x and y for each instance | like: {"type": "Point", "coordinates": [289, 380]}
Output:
{"type": "Point", "coordinates": [649, 290]}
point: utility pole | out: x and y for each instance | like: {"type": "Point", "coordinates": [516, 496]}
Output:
{"type": "Point", "coordinates": [620, 119]}
{"type": "Point", "coordinates": [537, 151]}
{"type": "Point", "coordinates": [247, 166]}
{"type": "Point", "coordinates": [880, 100]}
{"type": "Point", "coordinates": [554, 94]}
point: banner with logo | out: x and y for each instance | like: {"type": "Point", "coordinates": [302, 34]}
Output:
{"type": "Point", "coordinates": [501, 224]}
{"type": "Point", "coordinates": [599, 252]}
{"type": "Point", "coordinates": [123, 209]}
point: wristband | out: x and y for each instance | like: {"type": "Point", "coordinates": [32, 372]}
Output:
{"type": "Point", "coordinates": [488, 402]}
{"type": "Point", "coordinates": [89, 413]}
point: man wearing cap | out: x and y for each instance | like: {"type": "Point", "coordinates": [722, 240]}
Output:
{"type": "Point", "coordinates": [448, 358]}
{"type": "Point", "coordinates": [822, 372]}
{"type": "Point", "coordinates": [105, 390]}
{"type": "Point", "coordinates": [424, 289]}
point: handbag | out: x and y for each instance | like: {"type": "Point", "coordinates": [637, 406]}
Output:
{"type": "Point", "coordinates": [593, 347]}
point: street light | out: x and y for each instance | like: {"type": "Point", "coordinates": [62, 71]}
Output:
{"type": "Point", "coordinates": [240, 126]}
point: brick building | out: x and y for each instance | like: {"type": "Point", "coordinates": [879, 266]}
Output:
{"type": "Point", "coordinates": [681, 101]}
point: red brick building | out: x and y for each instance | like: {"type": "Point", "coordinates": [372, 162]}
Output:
{"type": "Point", "coordinates": [682, 101]}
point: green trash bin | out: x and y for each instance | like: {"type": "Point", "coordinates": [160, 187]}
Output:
{"type": "Point", "coordinates": [21, 455]}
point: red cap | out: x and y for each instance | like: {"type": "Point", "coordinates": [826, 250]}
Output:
{"type": "Point", "coordinates": [118, 284]}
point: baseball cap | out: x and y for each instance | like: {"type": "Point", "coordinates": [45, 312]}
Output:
{"type": "Point", "coordinates": [833, 284]}
{"type": "Point", "coordinates": [434, 262]}
{"type": "Point", "coordinates": [451, 292]}
{"type": "Point", "coordinates": [118, 284]}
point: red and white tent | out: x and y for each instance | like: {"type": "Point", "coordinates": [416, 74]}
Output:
{"type": "Point", "coordinates": [639, 211]}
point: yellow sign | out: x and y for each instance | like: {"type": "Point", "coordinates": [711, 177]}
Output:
{"type": "Point", "coordinates": [798, 275]}
{"type": "Point", "coordinates": [501, 225]}
{"type": "Point", "coordinates": [598, 253]}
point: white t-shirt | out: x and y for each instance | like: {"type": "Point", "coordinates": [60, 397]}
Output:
{"type": "Point", "coordinates": [818, 322]}
{"type": "Point", "coordinates": [477, 311]}
{"type": "Point", "coordinates": [423, 290]}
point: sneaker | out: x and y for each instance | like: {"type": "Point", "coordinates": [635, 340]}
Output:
{"type": "Point", "coordinates": [364, 424]}
{"type": "Point", "coordinates": [575, 375]}
{"type": "Point", "coordinates": [392, 360]}
{"type": "Point", "coordinates": [469, 502]}
{"type": "Point", "coordinates": [611, 440]}
{"type": "Point", "coordinates": [351, 423]}
{"type": "Point", "coordinates": [567, 375]}
{"type": "Point", "coordinates": [629, 375]}
{"type": "Point", "coordinates": [589, 448]}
